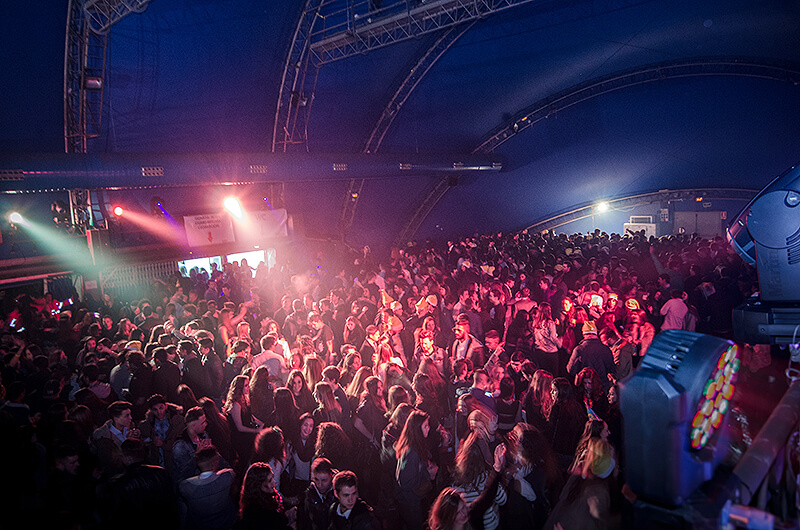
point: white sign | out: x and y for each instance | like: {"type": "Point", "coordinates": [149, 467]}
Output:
{"type": "Point", "coordinates": [208, 229]}
{"type": "Point", "coordinates": [266, 224]}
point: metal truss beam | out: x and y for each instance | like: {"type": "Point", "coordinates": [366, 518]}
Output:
{"type": "Point", "coordinates": [407, 86]}
{"type": "Point", "coordinates": [80, 208]}
{"type": "Point", "coordinates": [84, 79]}
{"type": "Point", "coordinates": [587, 210]}
{"type": "Point", "coordinates": [409, 83]}
{"type": "Point", "coordinates": [701, 66]}
{"type": "Point", "coordinates": [298, 84]}
{"type": "Point", "coordinates": [354, 189]}
{"type": "Point", "coordinates": [102, 14]}
{"type": "Point", "coordinates": [88, 23]}
{"type": "Point", "coordinates": [426, 206]}
{"type": "Point", "coordinates": [356, 28]}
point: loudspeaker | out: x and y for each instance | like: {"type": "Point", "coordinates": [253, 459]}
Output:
{"type": "Point", "coordinates": [98, 242]}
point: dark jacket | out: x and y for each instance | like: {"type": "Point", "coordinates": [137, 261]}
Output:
{"type": "Point", "coordinates": [596, 355]}
{"type": "Point", "coordinates": [361, 518]}
{"type": "Point", "coordinates": [316, 510]}
{"type": "Point", "coordinates": [176, 426]}
{"type": "Point", "coordinates": [166, 379]}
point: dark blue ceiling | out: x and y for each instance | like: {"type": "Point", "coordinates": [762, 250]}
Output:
{"type": "Point", "coordinates": [203, 76]}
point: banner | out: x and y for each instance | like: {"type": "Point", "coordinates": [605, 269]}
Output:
{"type": "Point", "coordinates": [265, 224]}
{"type": "Point", "coordinates": [208, 229]}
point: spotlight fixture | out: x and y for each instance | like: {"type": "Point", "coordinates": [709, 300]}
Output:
{"type": "Point", "coordinates": [60, 213]}
{"type": "Point", "coordinates": [118, 211]}
{"type": "Point", "coordinates": [15, 218]}
{"type": "Point", "coordinates": [157, 207]}
{"type": "Point", "coordinates": [602, 207]}
{"type": "Point", "coordinates": [233, 206]}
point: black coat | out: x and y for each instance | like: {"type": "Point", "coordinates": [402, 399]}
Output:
{"type": "Point", "coordinates": [361, 518]}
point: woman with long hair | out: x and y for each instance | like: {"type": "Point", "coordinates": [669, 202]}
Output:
{"type": "Point", "coordinates": [226, 329]}
{"type": "Point", "coordinates": [369, 421]}
{"type": "Point", "coordinates": [538, 399]}
{"type": "Point", "coordinates": [301, 454]}
{"type": "Point", "coordinates": [333, 444]}
{"type": "Point", "coordinates": [471, 477]}
{"type": "Point", "coordinates": [312, 370]}
{"type": "Point", "coordinates": [428, 324]}
{"type": "Point", "coordinates": [415, 470]}
{"type": "Point", "coordinates": [217, 429]}
{"type": "Point", "coordinates": [350, 365]}
{"type": "Point", "coordinates": [546, 339]}
{"type": "Point", "coordinates": [567, 323]}
{"type": "Point", "coordinates": [428, 400]}
{"type": "Point", "coordinates": [303, 398]}
{"type": "Point", "coordinates": [594, 429]}
{"type": "Point", "coordinates": [519, 335]}
{"type": "Point", "coordinates": [356, 386]}
{"type": "Point", "coordinates": [353, 331]}
{"type": "Point", "coordinates": [392, 432]}
{"type": "Point", "coordinates": [585, 501]}
{"type": "Point", "coordinates": [242, 424]}
{"type": "Point", "coordinates": [270, 447]}
{"type": "Point", "coordinates": [262, 398]}
{"type": "Point", "coordinates": [328, 408]}
{"type": "Point", "coordinates": [565, 422]}
{"type": "Point", "coordinates": [590, 392]}
{"type": "Point", "coordinates": [260, 504]}
{"type": "Point", "coordinates": [535, 479]}
{"type": "Point", "coordinates": [286, 415]}
{"type": "Point", "coordinates": [449, 511]}
{"type": "Point", "coordinates": [186, 397]}
{"type": "Point", "coordinates": [396, 396]}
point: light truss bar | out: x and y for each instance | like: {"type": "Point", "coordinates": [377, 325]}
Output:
{"type": "Point", "coordinates": [426, 206]}
{"type": "Point", "coordinates": [355, 28]}
{"type": "Point", "coordinates": [587, 210]}
{"type": "Point", "coordinates": [102, 14]}
{"type": "Point", "coordinates": [415, 75]}
{"type": "Point", "coordinates": [354, 189]}
{"type": "Point", "coordinates": [702, 66]}
{"type": "Point", "coordinates": [298, 84]}
{"type": "Point", "coordinates": [80, 208]}
{"type": "Point", "coordinates": [84, 80]}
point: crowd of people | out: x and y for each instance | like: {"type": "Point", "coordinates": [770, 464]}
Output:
{"type": "Point", "coordinates": [472, 385]}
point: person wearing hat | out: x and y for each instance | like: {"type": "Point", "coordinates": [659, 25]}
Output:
{"type": "Point", "coordinates": [593, 353]}
{"type": "Point", "coordinates": [160, 429]}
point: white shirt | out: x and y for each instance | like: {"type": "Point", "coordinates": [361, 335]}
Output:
{"type": "Point", "coordinates": [674, 312]}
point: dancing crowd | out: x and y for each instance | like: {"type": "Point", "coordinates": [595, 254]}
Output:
{"type": "Point", "coordinates": [472, 385]}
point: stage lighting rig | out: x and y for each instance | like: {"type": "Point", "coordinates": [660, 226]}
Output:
{"type": "Point", "coordinates": [766, 234]}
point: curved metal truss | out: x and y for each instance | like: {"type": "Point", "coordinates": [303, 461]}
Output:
{"type": "Point", "coordinates": [298, 83]}
{"type": "Point", "coordinates": [426, 207]}
{"type": "Point", "coordinates": [88, 23]}
{"type": "Point", "coordinates": [407, 86]}
{"type": "Point", "coordinates": [701, 66]}
{"type": "Point", "coordinates": [390, 111]}
{"type": "Point", "coordinates": [84, 78]}
{"type": "Point", "coordinates": [587, 210]}
{"type": "Point", "coordinates": [733, 66]}
{"type": "Point", "coordinates": [102, 14]}
{"type": "Point", "coordinates": [359, 26]}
